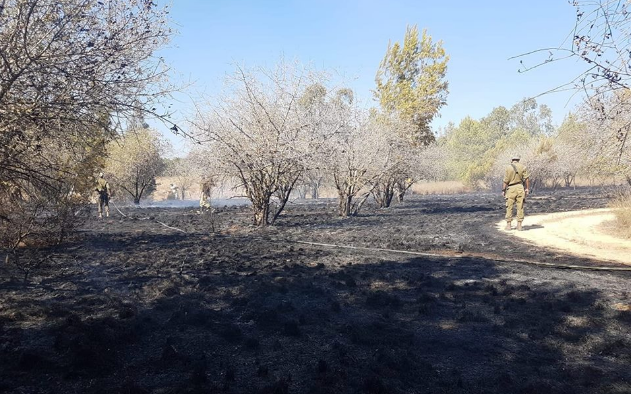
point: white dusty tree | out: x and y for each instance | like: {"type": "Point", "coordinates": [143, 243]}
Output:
{"type": "Point", "coordinates": [399, 161]}
{"type": "Point", "coordinates": [265, 130]}
{"type": "Point", "coordinates": [607, 120]}
{"type": "Point", "coordinates": [356, 159]}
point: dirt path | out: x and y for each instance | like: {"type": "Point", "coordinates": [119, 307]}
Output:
{"type": "Point", "coordinates": [581, 233]}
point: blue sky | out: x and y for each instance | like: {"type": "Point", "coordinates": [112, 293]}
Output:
{"type": "Point", "coordinates": [351, 37]}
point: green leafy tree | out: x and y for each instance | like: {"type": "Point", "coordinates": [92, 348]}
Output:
{"type": "Point", "coordinates": [531, 117]}
{"type": "Point", "coordinates": [134, 161]}
{"type": "Point", "coordinates": [475, 145]}
{"type": "Point", "coordinates": [71, 73]}
{"type": "Point", "coordinates": [411, 82]}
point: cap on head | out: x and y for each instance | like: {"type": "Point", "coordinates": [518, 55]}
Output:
{"type": "Point", "coordinates": [100, 175]}
{"type": "Point", "coordinates": [516, 156]}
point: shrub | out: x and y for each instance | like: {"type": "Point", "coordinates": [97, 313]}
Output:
{"type": "Point", "coordinates": [622, 210]}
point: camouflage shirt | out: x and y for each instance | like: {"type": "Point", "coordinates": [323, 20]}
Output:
{"type": "Point", "coordinates": [102, 186]}
{"type": "Point", "coordinates": [516, 173]}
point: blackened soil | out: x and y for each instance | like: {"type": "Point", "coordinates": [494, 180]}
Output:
{"type": "Point", "coordinates": [131, 306]}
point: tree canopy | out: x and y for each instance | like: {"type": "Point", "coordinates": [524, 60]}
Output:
{"type": "Point", "coordinates": [411, 82]}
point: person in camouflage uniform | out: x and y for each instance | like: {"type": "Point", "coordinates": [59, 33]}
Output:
{"type": "Point", "coordinates": [206, 187]}
{"type": "Point", "coordinates": [103, 188]}
{"type": "Point", "coordinates": [515, 176]}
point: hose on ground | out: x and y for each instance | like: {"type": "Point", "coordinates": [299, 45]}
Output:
{"type": "Point", "coordinates": [478, 255]}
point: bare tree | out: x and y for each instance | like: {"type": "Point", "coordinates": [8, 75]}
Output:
{"type": "Point", "coordinates": [605, 139]}
{"type": "Point", "coordinates": [355, 159]}
{"type": "Point", "coordinates": [601, 38]}
{"type": "Point", "coordinates": [73, 62]}
{"type": "Point", "coordinates": [401, 162]}
{"type": "Point", "coordinates": [262, 135]}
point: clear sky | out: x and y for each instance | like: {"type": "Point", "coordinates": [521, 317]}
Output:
{"type": "Point", "coordinates": [351, 37]}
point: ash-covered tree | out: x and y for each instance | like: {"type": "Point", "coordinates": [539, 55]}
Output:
{"type": "Point", "coordinates": [263, 134]}
{"type": "Point", "coordinates": [411, 82]}
{"type": "Point", "coordinates": [355, 159]}
{"type": "Point", "coordinates": [606, 133]}
{"type": "Point", "coordinates": [399, 160]}
{"type": "Point", "coordinates": [134, 161]}
{"type": "Point", "coordinates": [70, 70]}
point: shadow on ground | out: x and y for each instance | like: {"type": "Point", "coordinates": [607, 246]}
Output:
{"type": "Point", "coordinates": [139, 309]}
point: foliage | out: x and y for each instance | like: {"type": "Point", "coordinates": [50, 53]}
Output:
{"type": "Point", "coordinates": [133, 162]}
{"type": "Point", "coordinates": [72, 71]}
{"type": "Point", "coordinates": [552, 160]}
{"type": "Point", "coordinates": [411, 82]}
{"type": "Point", "coordinates": [474, 146]}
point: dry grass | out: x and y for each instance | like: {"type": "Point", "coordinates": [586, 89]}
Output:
{"type": "Point", "coordinates": [444, 187]}
{"type": "Point", "coordinates": [622, 210]}
{"type": "Point", "coordinates": [422, 188]}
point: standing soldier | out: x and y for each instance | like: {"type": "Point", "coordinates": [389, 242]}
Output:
{"type": "Point", "coordinates": [173, 194]}
{"type": "Point", "coordinates": [103, 188]}
{"type": "Point", "coordinates": [513, 190]}
{"type": "Point", "coordinates": [206, 188]}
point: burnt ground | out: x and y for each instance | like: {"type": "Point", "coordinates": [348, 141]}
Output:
{"type": "Point", "coordinates": [131, 306]}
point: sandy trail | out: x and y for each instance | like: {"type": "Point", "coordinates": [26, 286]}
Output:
{"type": "Point", "coordinates": [581, 233]}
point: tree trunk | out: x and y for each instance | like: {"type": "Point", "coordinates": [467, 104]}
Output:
{"type": "Point", "coordinates": [261, 215]}
{"type": "Point", "coordinates": [345, 202]}
{"type": "Point", "coordinates": [359, 204]}
{"type": "Point", "coordinates": [384, 196]}
{"type": "Point", "coordinates": [283, 196]}
{"type": "Point", "coordinates": [315, 190]}
{"type": "Point", "coordinates": [302, 192]}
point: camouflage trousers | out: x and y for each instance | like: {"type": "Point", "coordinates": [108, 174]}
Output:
{"type": "Point", "coordinates": [515, 195]}
{"type": "Point", "coordinates": [203, 202]}
{"type": "Point", "coordinates": [104, 204]}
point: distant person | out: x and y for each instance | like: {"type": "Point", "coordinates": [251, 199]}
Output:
{"type": "Point", "coordinates": [515, 176]}
{"type": "Point", "coordinates": [174, 192]}
{"type": "Point", "coordinates": [206, 188]}
{"type": "Point", "coordinates": [103, 188]}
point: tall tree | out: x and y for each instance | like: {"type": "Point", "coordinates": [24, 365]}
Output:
{"type": "Point", "coordinates": [411, 82]}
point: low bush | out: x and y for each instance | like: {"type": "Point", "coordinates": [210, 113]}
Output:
{"type": "Point", "coordinates": [621, 205]}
